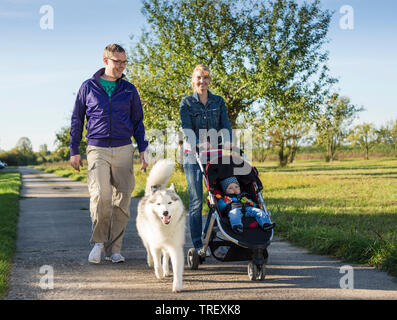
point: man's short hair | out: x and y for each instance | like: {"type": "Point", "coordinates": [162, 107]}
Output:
{"type": "Point", "coordinates": [111, 49]}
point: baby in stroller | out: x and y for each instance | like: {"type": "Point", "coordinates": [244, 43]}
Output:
{"type": "Point", "coordinates": [236, 203]}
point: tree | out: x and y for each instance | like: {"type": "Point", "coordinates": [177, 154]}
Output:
{"type": "Point", "coordinates": [337, 114]}
{"type": "Point", "coordinates": [43, 154]}
{"type": "Point", "coordinates": [185, 33]}
{"type": "Point", "coordinates": [365, 135]}
{"type": "Point", "coordinates": [62, 142]}
{"type": "Point", "coordinates": [290, 68]}
{"type": "Point", "coordinates": [388, 134]}
{"type": "Point", "coordinates": [268, 51]}
{"type": "Point", "coordinates": [261, 144]}
{"type": "Point", "coordinates": [24, 146]}
{"type": "Point", "coordinates": [23, 153]}
{"type": "Point", "coordinates": [286, 141]}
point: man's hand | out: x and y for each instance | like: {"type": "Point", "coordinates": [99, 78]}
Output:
{"type": "Point", "coordinates": [143, 160]}
{"type": "Point", "coordinates": [76, 162]}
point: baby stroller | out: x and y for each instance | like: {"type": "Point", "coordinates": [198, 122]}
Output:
{"type": "Point", "coordinates": [225, 244]}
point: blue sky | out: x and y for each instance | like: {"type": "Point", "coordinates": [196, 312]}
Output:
{"type": "Point", "coordinates": [42, 69]}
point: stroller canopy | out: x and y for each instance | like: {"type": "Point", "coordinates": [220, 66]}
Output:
{"type": "Point", "coordinates": [223, 167]}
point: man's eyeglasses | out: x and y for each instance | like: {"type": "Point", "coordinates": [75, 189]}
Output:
{"type": "Point", "coordinates": [119, 62]}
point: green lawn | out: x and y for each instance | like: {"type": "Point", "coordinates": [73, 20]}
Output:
{"type": "Point", "coordinates": [346, 209]}
{"type": "Point", "coordinates": [10, 183]}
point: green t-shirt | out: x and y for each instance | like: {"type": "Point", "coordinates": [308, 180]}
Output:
{"type": "Point", "coordinates": [109, 86]}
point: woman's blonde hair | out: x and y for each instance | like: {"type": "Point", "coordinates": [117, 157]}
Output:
{"type": "Point", "coordinates": [204, 69]}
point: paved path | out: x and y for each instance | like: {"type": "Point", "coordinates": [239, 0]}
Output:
{"type": "Point", "coordinates": [54, 230]}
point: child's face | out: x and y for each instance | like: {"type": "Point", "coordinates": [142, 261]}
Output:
{"type": "Point", "coordinates": [233, 188]}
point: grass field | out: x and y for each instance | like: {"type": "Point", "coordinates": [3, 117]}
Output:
{"type": "Point", "coordinates": [346, 209]}
{"type": "Point", "coordinates": [10, 184]}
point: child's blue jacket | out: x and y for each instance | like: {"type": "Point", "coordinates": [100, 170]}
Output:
{"type": "Point", "coordinates": [223, 206]}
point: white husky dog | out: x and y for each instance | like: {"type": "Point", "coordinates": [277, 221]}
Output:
{"type": "Point", "coordinates": [161, 224]}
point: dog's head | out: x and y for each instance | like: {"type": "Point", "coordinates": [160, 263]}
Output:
{"type": "Point", "coordinates": [165, 203]}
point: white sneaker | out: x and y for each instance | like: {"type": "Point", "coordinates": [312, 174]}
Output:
{"type": "Point", "coordinates": [96, 253]}
{"type": "Point", "coordinates": [115, 258]}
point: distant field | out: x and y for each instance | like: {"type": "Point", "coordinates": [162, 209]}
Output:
{"type": "Point", "coordinates": [346, 209]}
{"type": "Point", "coordinates": [10, 184]}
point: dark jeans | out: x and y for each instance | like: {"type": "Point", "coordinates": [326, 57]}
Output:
{"type": "Point", "coordinates": [194, 178]}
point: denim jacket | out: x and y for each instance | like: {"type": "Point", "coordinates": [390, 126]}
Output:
{"type": "Point", "coordinates": [196, 116]}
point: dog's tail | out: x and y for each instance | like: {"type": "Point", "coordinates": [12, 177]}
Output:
{"type": "Point", "coordinates": [159, 175]}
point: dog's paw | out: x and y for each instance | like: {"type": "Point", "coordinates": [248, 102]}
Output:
{"type": "Point", "coordinates": [166, 273]}
{"type": "Point", "coordinates": [176, 289]}
{"type": "Point", "coordinates": [149, 261]}
{"type": "Point", "coordinates": [159, 274]}
{"type": "Point", "coordinates": [176, 286]}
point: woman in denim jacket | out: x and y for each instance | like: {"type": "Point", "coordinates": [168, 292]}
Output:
{"type": "Point", "coordinates": [204, 120]}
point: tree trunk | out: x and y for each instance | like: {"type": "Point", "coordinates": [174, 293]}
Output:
{"type": "Point", "coordinates": [283, 159]}
{"type": "Point", "coordinates": [292, 154]}
{"type": "Point", "coordinates": [333, 149]}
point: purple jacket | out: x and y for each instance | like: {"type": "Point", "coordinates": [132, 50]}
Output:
{"type": "Point", "coordinates": [110, 121]}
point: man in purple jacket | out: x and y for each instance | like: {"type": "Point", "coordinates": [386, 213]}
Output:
{"type": "Point", "coordinates": [113, 111]}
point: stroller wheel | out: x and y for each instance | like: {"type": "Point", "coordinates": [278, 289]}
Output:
{"type": "Point", "coordinates": [256, 272]}
{"type": "Point", "coordinates": [261, 272]}
{"type": "Point", "coordinates": [252, 271]}
{"type": "Point", "coordinates": [193, 259]}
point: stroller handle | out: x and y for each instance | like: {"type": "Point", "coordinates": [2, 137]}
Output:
{"type": "Point", "coordinates": [220, 148]}
{"type": "Point", "coordinates": [196, 154]}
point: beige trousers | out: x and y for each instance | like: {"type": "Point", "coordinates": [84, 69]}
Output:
{"type": "Point", "coordinates": [110, 183]}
